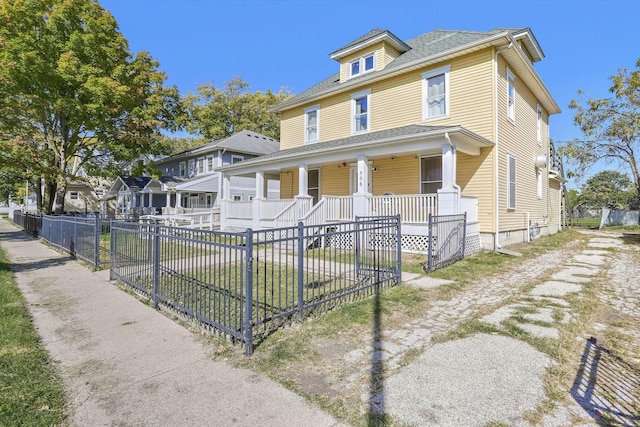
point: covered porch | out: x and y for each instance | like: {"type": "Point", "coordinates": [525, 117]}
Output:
{"type": "Point", "coordinates": [410, 171]}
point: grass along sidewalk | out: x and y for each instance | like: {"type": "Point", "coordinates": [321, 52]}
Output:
{"type": "Point", "coordinates": [30, 391]}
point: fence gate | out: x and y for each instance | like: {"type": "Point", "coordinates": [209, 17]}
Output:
{"type": "Point", "coordinates": [447, 234]}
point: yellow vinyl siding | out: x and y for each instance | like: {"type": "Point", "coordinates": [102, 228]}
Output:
{"type": "Point", "coordinates": [475, 178]}
{"type": "Point", "coordinates": [389, 55]}
{"type": "Point", "coordinates": [470, 100]}
{"type": "Point", "coordinates": [335, 180]}
{"type": "Point", "coordinates": [345, 62]}
{"type": "Point", "coordinates": [519, 138]}
{"type": "Point", "coordinates": [288, 183]}
{"type": "Point", "coordinates": [397, 176]}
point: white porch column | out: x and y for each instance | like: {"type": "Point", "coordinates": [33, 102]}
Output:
{"type": "Point", "coordinates": [258, 200]}
{"type": "Point", "coordinates": [224, 198]}
{"type": "Point", "coordinates": [303, 199]}
{"type": "Point", "coordinates": [361, 204]}
{"type": "Point", "coordinates": [448, 195]}
{"type": "Point", "coordinates": [167, 202]}
{"type": "Point", "coordinates": [178, 200]}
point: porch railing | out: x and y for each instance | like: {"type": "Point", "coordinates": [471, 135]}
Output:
{"type": "Point", "coordinates": [413, 208]}
{"type": "Point", "coordinates": [236, 209]}
{"type": "Point", "coordinates": [273, 208]}
{"type": "Point", "coordinates": [339, 208]}
{"type": "Point", "coordinates": [317, 214]}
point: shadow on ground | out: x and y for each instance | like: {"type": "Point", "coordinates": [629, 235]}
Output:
{"type": "Point", "coordinates": [607, 387]}
{"type": "Point", "coordinates": [631, 238]}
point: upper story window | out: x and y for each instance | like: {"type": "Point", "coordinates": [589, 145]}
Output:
{"type": "Point", "coordinates": [99, 192]}
{"type": "Point", "coordinates": [362, 65]}
{"type": "Point", "coordinates": [539, 124]}
{"type": "Point", "coordinates": [360, 112]}
{"type": "Point", "coordinates": [435, 93]}
{"type": "Point", "coordinates": [235, 158]}
{"type": "Point", "coordinates": [183, 169]}
{"type": "Point", "coordinates": [73, 195]}
{"type": "Point", "coordinates": [192, 167]}
{"type": "Point", "coordinates": [311, 124]}
{"type": "Point", "coordinates": [511, 96]}
{"type": "Point", "coordinates": [201, 165]}
{"type": "Point", "coordinates": [210, 164]}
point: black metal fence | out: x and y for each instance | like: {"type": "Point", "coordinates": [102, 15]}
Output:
{"type": "Point", "coordinates": [248, 284]}
{"type": "Point", "coordinates": [76, 235]}
{"type": "Point", "coordinates": [447, 235]}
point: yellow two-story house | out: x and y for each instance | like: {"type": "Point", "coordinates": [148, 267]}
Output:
{"type": "Point", "coordinates": [444, 123]}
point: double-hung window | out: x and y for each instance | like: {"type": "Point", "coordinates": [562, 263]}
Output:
{"type": "Point", "coordinates": [539, 124]}
{"type": "Point", "coordinates": [183, 169]}
{"type": "Point", "coordinates": [210, 164]}
{"type": "Point", "coordinates": [511, 96]}
{"type": "Point", "coordinates": [235, 158]}
{"type": "Point", "coordinates": [430, 174]}
{"type": "Point", "coordinates": [73, 195]}
{"type": "Point", "coordinates": [360, 112]}
{"type": "Point", "coordinates": [311, 124]}
{"type": "Point", "coordinates": [435, 93]}
{"type": "Point", "coordinates": [511, 185]}
{"type": "Point", "coordinates": [192, 167]}
{"type": "Point", "coordinates": [362, 65]}
{"type": "Point", "coordinates": [200, 165]}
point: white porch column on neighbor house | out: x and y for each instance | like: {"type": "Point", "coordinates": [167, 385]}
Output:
{"type": "Point", "coordinates": [361, 205]}
{"type": "Point", "coordinates": [178, 200]}
{"type": "Point", "coordinates": [225, 199]}
{"type": "Point", "coordinates": [448, 195]}
{"type": "Point", "coordinates": [258, 200]}
{"type": "Point", "coordinates": [219, 190]}
{"type": "Point", "coordinates": [303, 199]}
{"type": "Point", "coordinates": [167, 203]}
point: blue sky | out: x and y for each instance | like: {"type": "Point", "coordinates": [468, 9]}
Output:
{"type": "Point", "coordinates": [276, 43]}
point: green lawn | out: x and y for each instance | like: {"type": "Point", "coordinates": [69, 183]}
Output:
{"type": "Point", "coordinates": [31, 394]}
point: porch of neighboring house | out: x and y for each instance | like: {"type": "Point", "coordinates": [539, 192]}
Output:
{"type": "Point", "coordinates": [366, 185]}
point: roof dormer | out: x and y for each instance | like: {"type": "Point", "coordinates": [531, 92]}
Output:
{"type": "Point", "coordinates": [371, 52]}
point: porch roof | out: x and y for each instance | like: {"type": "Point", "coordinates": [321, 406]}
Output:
{"type": "Point", "coordinates": [411, 139]}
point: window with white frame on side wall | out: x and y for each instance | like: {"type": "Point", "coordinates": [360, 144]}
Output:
{"type": "Point", "coordinates": [511, 96]}
{"type": "Point", "coordinates": [362, 65]}
{"type": "Point", "coordinates": [539, 124]}
{"type": "Point", "coordinates": [236, 158]}
{"type": "Point", "coordinates": [360, 114]}
{"type": "Point", "coordinates": [435, 93]}
{"type": "Point", "coordinates": [511, 181]}
{"type": "Point", "coordinates": [311, 124]}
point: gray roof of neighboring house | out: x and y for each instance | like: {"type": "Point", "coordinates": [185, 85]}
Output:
{"type": "Point", "coordinates": [137, 181]}
{"type": "Point", "coordinates": [403, 131]}
{"type": "Point", "coordinates": [247, 142]}
{"type": "Point", "coordinates": [424, 46]}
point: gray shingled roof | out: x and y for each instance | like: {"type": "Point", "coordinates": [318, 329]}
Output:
{"type": "Point", "coordinates": [246, 141]}
{"type": "Point", "coordinates": [373, 33]}
{"type": "Point", "coordinates": [382, 135]}
{"type": "Point", "coordinates": [424, 46]}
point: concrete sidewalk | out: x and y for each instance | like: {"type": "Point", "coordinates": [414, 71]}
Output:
{"type": "Point", "coordinates": [123, 363]}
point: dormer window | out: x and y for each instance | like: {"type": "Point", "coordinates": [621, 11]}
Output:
{"type": "Point", "coordinates": [362, 65]}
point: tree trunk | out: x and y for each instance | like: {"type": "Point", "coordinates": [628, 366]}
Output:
{"type": "Point", "coordinates": [60, 193]}
{"type": "Point", "coordinates": [50, 192]}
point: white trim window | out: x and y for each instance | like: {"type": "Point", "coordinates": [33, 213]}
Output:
{"type": "Point", "coordinates": [311, 124]}
{"type": "Point", "coordinates": [73, 195]}
{"type": "Point", "coordinates": [430, 174]}
{"type": "Point", "coordinates": [192, 167]}
{"type": "Point", "coordinates": [99, 192]}
{"type": "Point", "coordinates": [435, 93]}
{"type": "Point", "coordinates": [364, 64]}
{"type": "Point", "coordinates": [200, 165]}
{"type": "Point", "coordinates": [183, 168]}
{"type": "Point", "coordinates": [210, 164]}
{"type": "Point", "coordinates": [360, 103]}
{"type": "Point", "coordinates": [539, 124]}
{"type": "Point", "coordinates": [511, 184]}
{"type": "Point", "coordinates": [539, 183]}
{"type": "Point", "coordinates": [235, 158]}
{"type": "Point", "coordinates": [511, 96]}
{"type": "Point", "coordinates": [237, 197]}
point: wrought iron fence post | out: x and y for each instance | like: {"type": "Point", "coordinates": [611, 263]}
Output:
{"type": "Point", "coordinates": [112, 245]}
{"type": "Point", "coordinates": [248, 315]}
{"type": "Point", "coordinates": [464, 234]}
{"type": "Point", "coordinates": [399, 243]}
{"type": "Point", "coordinates": [300, 270]}
{"type": "Point", "coordinates": [357, 246]}
{"type": "Point", "coordinates": [156, 264]}
{"type": "Point", "coordinates": [430, 243]}
{"type": "Point", "coordinates": [96, 241]}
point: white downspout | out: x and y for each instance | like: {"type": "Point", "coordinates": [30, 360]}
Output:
{"type": "Point", "coordinates": [528, 226]}
{"type": "Point", "coordinates": [455, 171]}
{"type": "Point", "coordinates": [497, 242]}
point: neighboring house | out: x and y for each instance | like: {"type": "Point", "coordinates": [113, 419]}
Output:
{"type": "Point", "coordinates": [190, 179]}
{"type": "Point", "coordinates": [444, 123]}
{"type": "Point", "coordinates": [89, 196]}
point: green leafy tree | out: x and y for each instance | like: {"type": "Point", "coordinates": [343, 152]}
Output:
{"type": "Point", "coordinates": [72, 95]}
{"type": "Point", "coordinates": [611, 126]}
{"type": "Point", "coordinates": [10, 182]}
{"type": "Point", "coordinates": [608, 189]}
{"type": "Point", "coordinates": [216, 113]}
